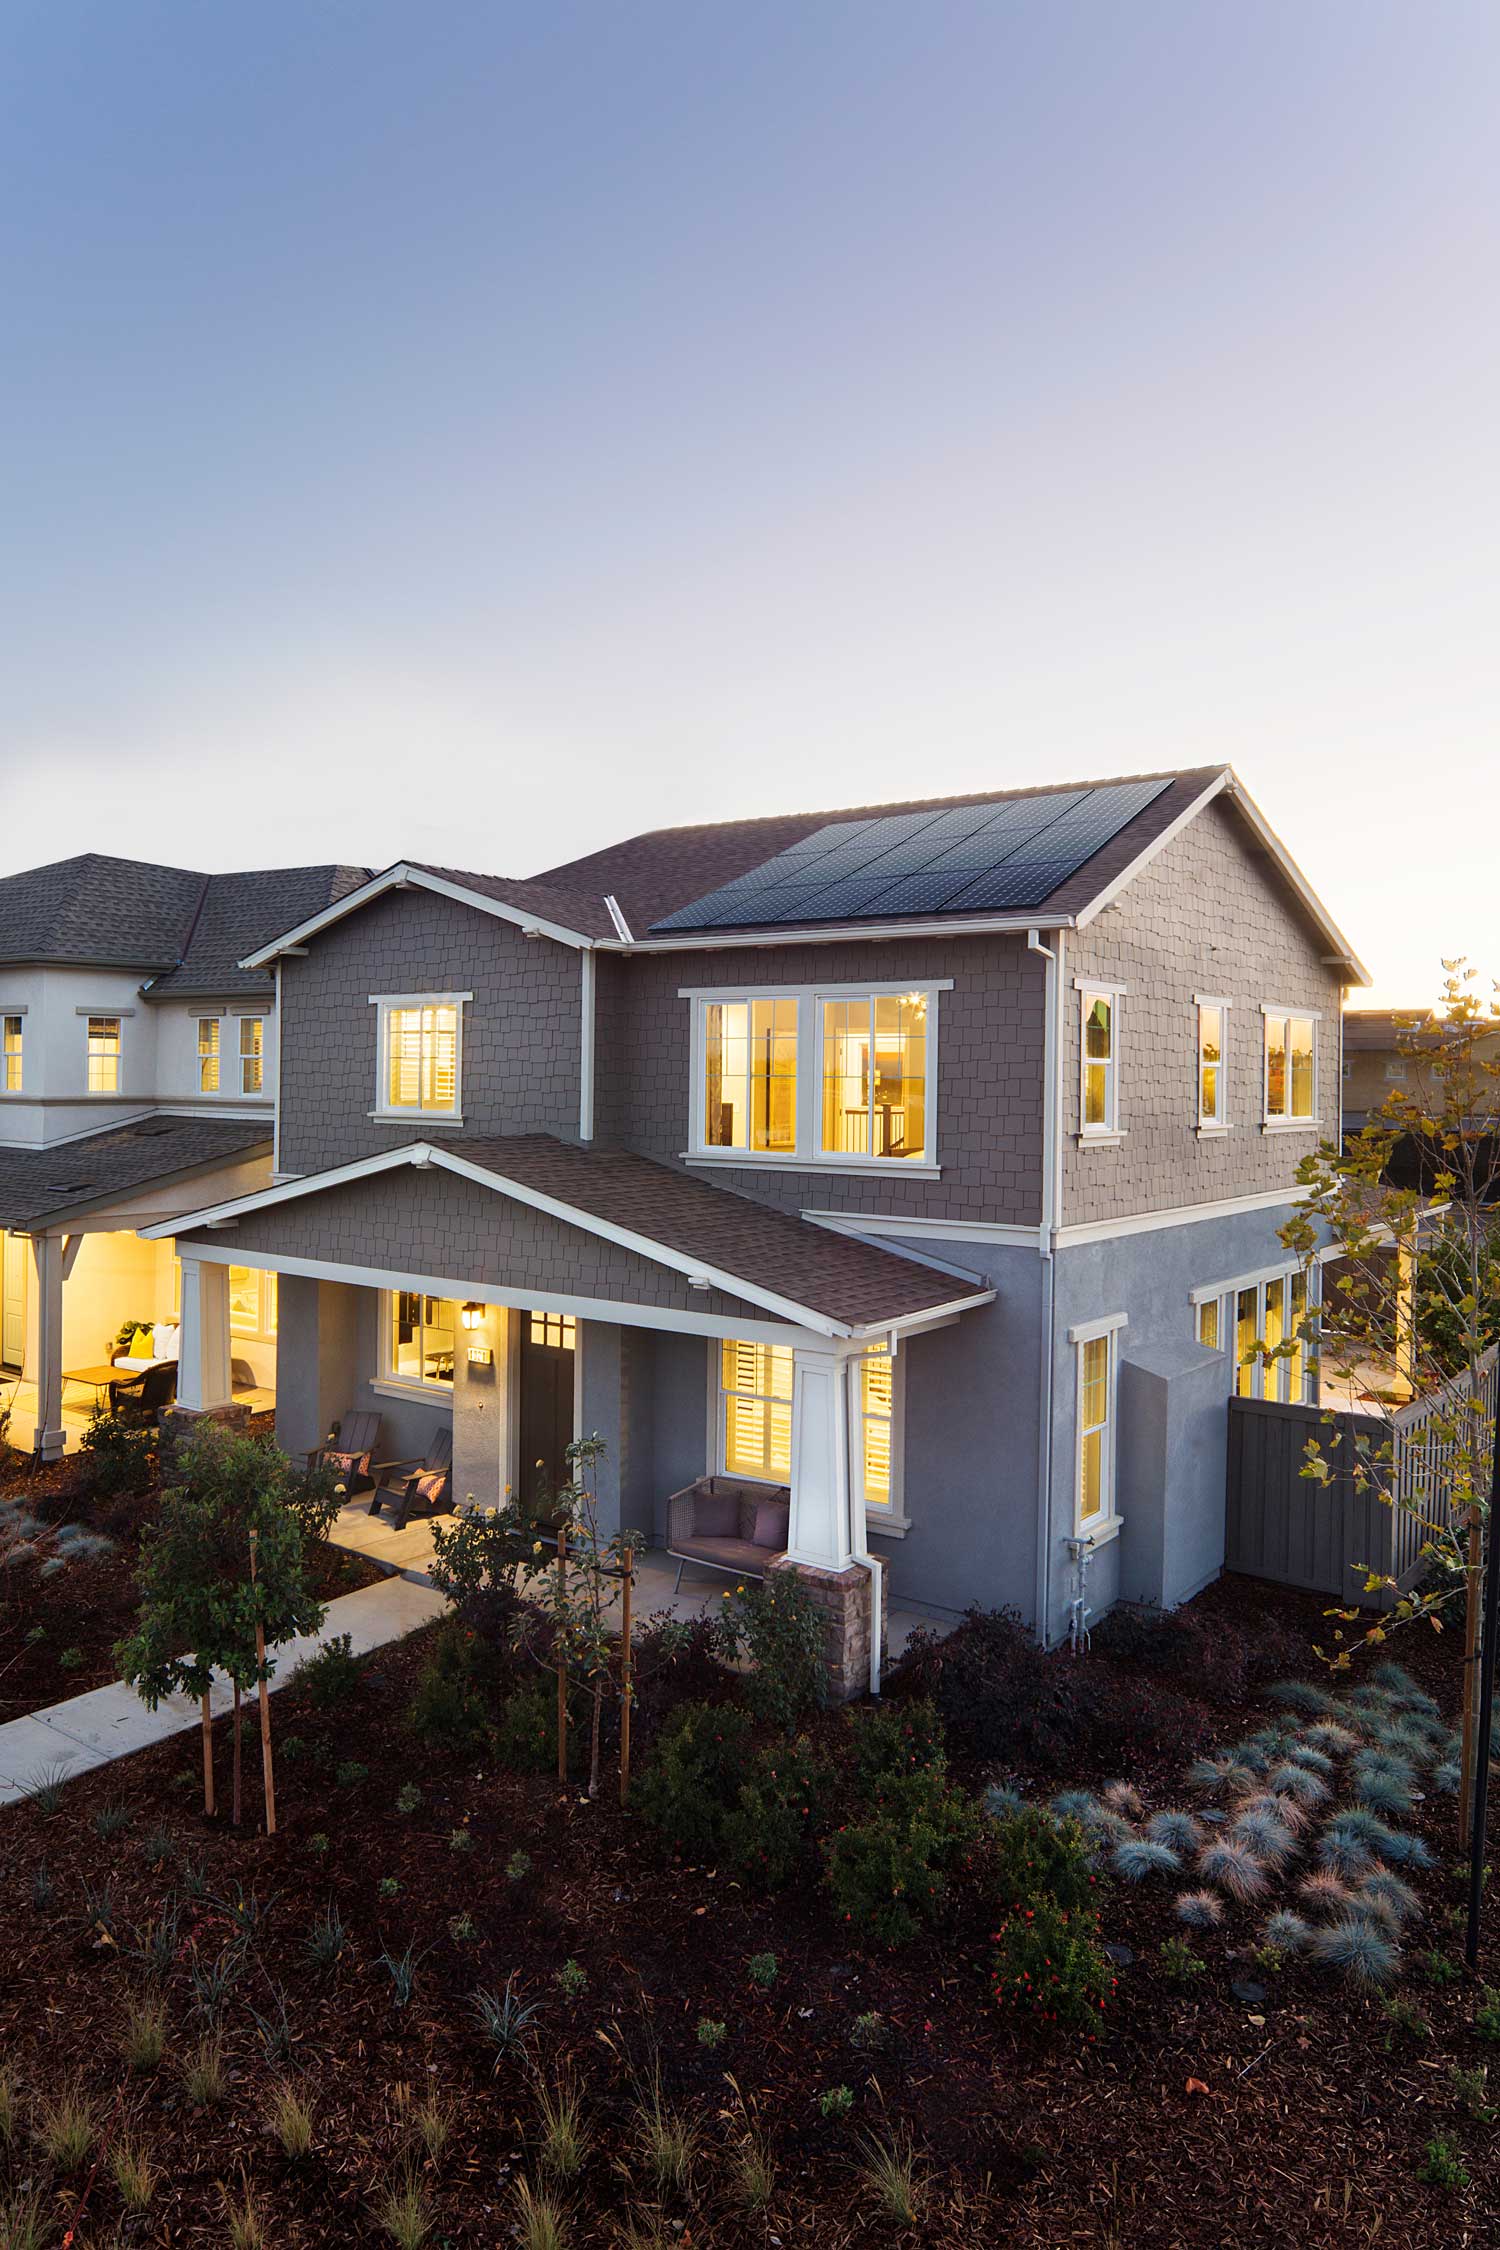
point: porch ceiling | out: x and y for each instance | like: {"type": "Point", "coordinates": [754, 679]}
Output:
{"type": "Point", "coordinates": [42, 1186]}
{"type": "Point", "coordinates": [652, 1215]}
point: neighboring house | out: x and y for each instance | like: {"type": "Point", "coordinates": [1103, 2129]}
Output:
{"type": "Point", "coordinates": [927, 1160]}
{"type": "Point", "coordinates": [1382, 1057]}
{"type": "Point", "coordinates": [137, 1078]}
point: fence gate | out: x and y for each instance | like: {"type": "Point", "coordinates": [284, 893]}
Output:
{"type": "Point", "coordinates": [1292, 1529]}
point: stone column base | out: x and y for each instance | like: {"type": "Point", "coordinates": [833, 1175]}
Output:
{"type": "Point", "coordinates": [843, 1597]}
{"type": "Point", "coordinates": [177, 1422]}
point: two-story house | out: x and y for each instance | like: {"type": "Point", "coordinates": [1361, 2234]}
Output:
{"type": "Point", "coordinates": [928, 1160]}
{"type": "Point", "coordinates": [137, 1079]}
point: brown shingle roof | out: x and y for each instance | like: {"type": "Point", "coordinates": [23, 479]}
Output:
{"type": "Point", "coordinates": [571, 909]}
{"type": "Point", "coordinates": [846, 1280]}
{"type": "Point", "coordinates": [36, 1184]}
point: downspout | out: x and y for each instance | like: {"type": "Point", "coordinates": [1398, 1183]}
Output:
{"type": "Point", "coordinates": [276, 1105]}
{"type": "Point", "coordinates": [1046, 1250]}
{"type": "Point", "coordinates": [588, 967]}
{"type": "Point", "coordinates": [859, 1538]}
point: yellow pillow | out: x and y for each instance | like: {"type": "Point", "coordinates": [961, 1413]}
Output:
{"type": "Point", "coordinates": [140, 1346]}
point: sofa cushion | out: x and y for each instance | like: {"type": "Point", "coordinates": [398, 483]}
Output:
{"type": "Point", "coordinates": [140, 1346]}
{"type": "Point", "coordinates": [771, 1524]}
{"type": "Point", "coordinates": [716, 1515]}
{"type": "Point", "coordinates": [729, 1554]}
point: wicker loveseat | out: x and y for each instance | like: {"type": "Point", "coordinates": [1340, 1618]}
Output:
{"type": "Point", "coordinates": [727, 1525]}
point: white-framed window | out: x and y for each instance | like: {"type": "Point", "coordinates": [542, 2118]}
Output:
{"type": "Point", "coordinates": [11, 1053]}
{"type": "Point", "coordinates": [252, 1301]}
{"type": "Point", "coordinates": [842, 1076]}
{"type": "Point", "coordinates": [877, 1435]}
{"type": "Point", "coordinates": [1396, 1067]}
{"type": "Point", "coordinates": [1096, 1347]}
{"type": "Point", "coordinates": [420, 1334]}
{"type": "Point", "coordinates": [252, 1044]}
{"type": "Point", "coordinates": [1291, 1067]}
{"type": "Point", "coordinates": [1267, 1310]}
{"type": "Point", "coordinates": [1213, 1083]}
{"type": "Point", "coordinates": [1098, 1060]}
{"type": "Point", "coordinates": [755, 1410]}
{"type": "Point", "coordinates": [208, 1054]}
{"type": "Point", "coordinates": [420, 1045]}
{"type": "Point", "coordinates": [103, 1049]}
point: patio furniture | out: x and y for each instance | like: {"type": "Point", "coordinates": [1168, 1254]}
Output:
{"type": "Point", "coordinates": [96, 1379]}
{"type": "Point", "coordinates": [726, 1525]}
{"type": "Point", "coordinates": [140, 1400]}
{"type": "Point", "coordinates": [422, 1487]}
{"type": "Point", "coordinates": [348, 1449]}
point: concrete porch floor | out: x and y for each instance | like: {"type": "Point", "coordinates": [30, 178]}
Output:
{"type": "Point", "coordinates": [78, 1407]}
{"type": "Point", "coordinates": [410, 1552]}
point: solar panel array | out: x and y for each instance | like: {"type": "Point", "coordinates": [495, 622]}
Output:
{"type": "Point", "coordinates": [969, 859]}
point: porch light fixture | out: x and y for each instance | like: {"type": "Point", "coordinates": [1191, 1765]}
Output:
{"type": "Point", "coordinates": [473, 1315]}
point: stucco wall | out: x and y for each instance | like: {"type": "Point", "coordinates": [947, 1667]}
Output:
{"type": "Point", "coordinates": [1207, 916]}
{"type": "Point", "coordinates": [521, 1039]}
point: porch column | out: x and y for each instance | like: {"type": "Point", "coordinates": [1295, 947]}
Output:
{"type": "Point", "coordinates": [204, 1374]}
{"type": "Point", "coordinates": [818, 1530]}
{"type": "Point", "coordinates": [47, 1257]}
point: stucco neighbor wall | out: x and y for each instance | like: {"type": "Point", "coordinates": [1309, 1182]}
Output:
{"type": "Point", "coordinates": [990, 1041]}
{"type": "Point", "coordinates": [1207, 916]}
{"type": "Point", "coordinates": [521, 1035]}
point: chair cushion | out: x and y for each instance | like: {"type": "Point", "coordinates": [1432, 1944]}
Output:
{"type": "Point", "coordinates": [137, 1366]}
{"type": "Point", "coordinates": [140, 1347]}
{"type": "Point", "coordinates": [716, 1515]}
{"type": "Point", "coordinates": [345, 1464]}
{"type": "Point", "coordinates": [729, 1554]}
{"type": "Point", "coordinates": [771, 1517]}
{"type": "Point", "coordinates": [431, 1484]}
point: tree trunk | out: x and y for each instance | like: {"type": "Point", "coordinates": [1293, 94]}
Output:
{"type": "Point", "coordinates": [208, 1756]}
{"type": "Point", "coordinates": [1470, 1715]}
{"type": "Point", "coordinates": [235, 1790]}
{"type": "Point", "coordinates": [594, 1742]}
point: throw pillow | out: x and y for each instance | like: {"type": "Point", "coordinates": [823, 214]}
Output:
{"type": "Point", "coordinates": [430, 1483]}
{"type": "Point", "coordinates": [716, 1515]}
{"type": "Point", "coordinates": [771, 1523]}
{"type": "Point", "coordinates": [140, 1345]}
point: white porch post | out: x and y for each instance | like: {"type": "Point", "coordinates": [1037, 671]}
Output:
{"type": "Point", "coordinates": [818, 1529]}
{"type": "Point", "coordinates": [47, 1256]}
{"type": "Point", "coordinates": [204, 1379]}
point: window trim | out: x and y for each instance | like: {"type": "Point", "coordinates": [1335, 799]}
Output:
{"type": "Point", "coordinates": [1111, 1132]}
{"type": "Point", "coordinates": [389, 1381]}
{"type": "Point", "coordinates": [1210, 1128]}
{"type": "Point", "coordinates": [808, 1155]}
{"type": "Point", "coordinates": [9, 1016]}
{"type": "Point", "coordinates": [1226, 1295]}
{"type": "Point", "coordinates": [890, 1521]}
{"type": "Point", "coordinates": [257, 1092]}
{"type": "Point", "coordinates": [1287, 1121]}
{"type": "Point", "coordinates": [1107, 1524]}
{"type": "Point", "coordinates": [721, 1410]}
{"type": "Point", "coordinates": [383, 1111]}
{"type": "Point", "coordinates": [91, 1016]}
{"type": "Point", "coordinates": [214, 1056]}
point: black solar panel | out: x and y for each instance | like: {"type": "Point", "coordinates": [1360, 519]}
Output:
{"type": "Point", "coordinates": [967, 859]}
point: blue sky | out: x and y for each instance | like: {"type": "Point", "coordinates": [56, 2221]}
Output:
{"type": "Point", "coordinates": [479, 431]}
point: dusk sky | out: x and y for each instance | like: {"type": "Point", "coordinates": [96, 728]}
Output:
{"type": "Point", "coordinates": [478, 432]}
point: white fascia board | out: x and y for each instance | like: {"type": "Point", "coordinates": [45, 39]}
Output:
{"type": "Point", "coordinates": [913, 1324]}
{"type": "Point", "coordinates": [403, 877]}
{"type": "Point", "coordinates": [1341, 954]}
{"type": "Point", "coordinates": [841, 933]}
{"type": "Point", "coordinates": [1173, 829]}
{"type": "Point", "coordinates": [863, 1223]}
{"type": "Point", "coordinates": [289, 1191]}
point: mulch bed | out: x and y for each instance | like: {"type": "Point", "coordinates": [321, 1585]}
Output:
{"type": "Point", "coordinates": [1195, 2120]}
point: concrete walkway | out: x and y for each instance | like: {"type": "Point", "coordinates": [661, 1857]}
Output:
{"type": "Point", "coordinates": [111, 1722]}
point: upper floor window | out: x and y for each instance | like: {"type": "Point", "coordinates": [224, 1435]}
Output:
{"type": "Point", "coordinates": [1291, 1067]}
{"type": "Point", "coordinates": [252, 1054]}
{"type": "Point", "coordinates": [12, 1054]}
{"type": "Point", "coordinates": [1099, 1095]}
{"type": "Point", "coordinates": [208, 1054]}
{"type": "Point", "coordinates": [104, 1054]}
{"type": "Point", "coordinates": [420, 1041]}
{"type": "Point", "coordinates": [1213, 1023]}
{"type": "Point", "coordinates": [840, 1075]}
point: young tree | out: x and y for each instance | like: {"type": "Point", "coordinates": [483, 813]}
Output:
{"type": "Point", "coordinates": [1413, 1307]}
{"type": "Point", "coordinates": [202, 1603]}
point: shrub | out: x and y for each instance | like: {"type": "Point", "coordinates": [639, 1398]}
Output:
{"type": "Point", "coordinates": [332, 1674]}
{"type": "Point", "coordinates": [895, 1738]}
{"type": "Point", "coordinates": [711, 2033]}
{"type": "Point", "coordinates": [1179, 1963]}
{"type": "Point", "coordinates": [779, 1812]}
{"type": "Point", "coordinates": [777, 1627]}
{"type": "Point", "coordinates": [1443, 2165]}
{"type": "Point", "coordinates": [1487, 2015]}
{"type": "Point", "coordinates": [675, 1661]}
{"type": "Point", "coordinates": [692, 1780]}
{"type": "Point", "coordinates": [117, 1461]}
{"type": "Point", "coordinates": [457, 1690]}
{"type": "Point", "coordinates": [1227, 1662]}
{"type": "Point", "coordinates": [525, 1733]}
{"type": "Point", "coordinates": [1050, 1963]}
{"type": "Point", "coordinates": [571, 1980]}
{"type": "Point", "coordinates": [888, 1873]}
{"type": "Point", "coordinates": [1034, 1855]}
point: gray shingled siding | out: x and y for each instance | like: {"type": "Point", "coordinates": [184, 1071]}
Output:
{"type": "Point", "coordinates": [521, 1029]}
{"type": "Point", "coordinates": [431, 1223]}
{"type": "Point", "coordinates": [1203, 917]}
{"type": "Point", "coordinates": [989, 1069]}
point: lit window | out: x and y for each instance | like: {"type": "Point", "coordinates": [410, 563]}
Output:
{"type": "Point", "coordinates": [1212, 1019]}
{"type": "Point", "coordinates": [252, 1054]}
{"type": "Point", "coordinates": [1208, 1324]}
{"type": "Point", "coordinates": [1100, 1107]}
{"type": "Point", "coordinates": [556, 1330]}
{"type": "Point", "coordinates": [1291, 1074]}
{"type": "Point", "coordinates": [104, 1054]}
{"type": "Point", "coordinates": [12, 1054]}
{"type": "Point", "coordinates": [750, 1074]}
{"type": "Point", "coordinates": [208, 1055]}
{"type": "Point", "coordinates": [1396, 1069]}
{"type": "Point", "coordinates": [252, 1301]}
{"type": "Point", "coordinates": [1096, 1412]}
{"type": "Point", "coordinates": [1246, 1327]}
{"type": "Point", "coordinates": [877, 1406]}
{"type": "Point", "coordinates": [1298, 1365]}
{"type": "Point", "coordinates": [421, 1056]}
{"type": "Point", "coordinates": [875, 1075]}
{"type": "Point", "coordinates": [420, 1337]}
{"type": "Point", "coordinates": [1270, 1318]}
{"type": "Point", "coordinates": [756, 1381]}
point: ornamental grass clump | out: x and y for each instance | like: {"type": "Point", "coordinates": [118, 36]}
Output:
{"type": "Point", "coordinates": [1325, 1892]}
{"type": "Point", "coordinates": [1123, 1797]}
{"type": "Point", "coordinates": [1288, 1779]}
{"type": "Point", "coordinates": [1391, 1896]}
{"type": "Point", "coordinates": [1265, 1835]}
{"type": "Point", "coordinates": [1136, 1858]}
{"type": "Point", "coordinates": [1344, 1854]}
{"type": "Point", "coordinates": [1335, 1740]}
{"type": "Point", "coordinates": [1178, 1830]}
{"type": "Point", "coordinates": [1358, 1949]}
{"type": "Point", "coordinates": [1286, 1932]}
{"type": "Point", "coordinates": [1200, 1910]}
{"type": "Point", "coordinates": [1383, 1782]}
{"type": "Point", "coordinates": [1301, 1695]}
{"type": "Point", "coordinates": [1234, 1867]}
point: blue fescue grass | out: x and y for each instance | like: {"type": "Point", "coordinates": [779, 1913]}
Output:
{"type": "Point", "coordinates": [1075, 1804]}
{"type": "Point", "coordinates": [1328, 1735]}
{"type": "Point", "coordinates": [1200, 1910]}
{"type": "Point", "coordinates": [1288, 1780]}
{"type": "Point", "coordinates": [1380, 1790]}
{"type": "Point", "coordinates": [1137, 1857]}
{"type": "Point", "coordinates": [1178, 1830]}
{"type": "Point", "coordinates": [1402, 1850]}
{"type": "Point", "coordinates": [1447, 1777]}
{"type": "Point", "coordinates": [1287, 1931]}
{"type": "Point", "coordinates": [1221, 1772]}
{"type": "Point", "coordinates": [1402, 1688]}
{"type": "Point", "coordinates": [1359, 1821]}
{"type": "Point", "coordinates": [1123, 1797]}
{"type": "Point", "coordinates": [1233, 1866]}
{"type": "Point", "coordinates": [1268, 1838]}
{"type": "Point", "coordinates": [1357, 1949]}
{"type": "Point", "coordinates": [1344, 1855]}
{"type": "Point", "coordinates": [1301, 1695]}
{"type": "Point", "coordinates": [1308, 1754]}
{"type": "Point", "coordinates": [1000, 1800]}
{"type": "Point", "coordinates": [1391, 1896]}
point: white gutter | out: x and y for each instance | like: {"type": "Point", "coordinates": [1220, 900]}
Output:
{"type": "Point", "coordinates": [1047, 1235]}
{"type": "Point", "coordinates": [840, 933]}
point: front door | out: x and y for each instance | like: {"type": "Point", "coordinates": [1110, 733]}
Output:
{"type": "Point", "coordinates": [548, 1345]}
{"type": "Point", "coordinates": [13, 1255]}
